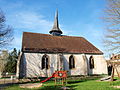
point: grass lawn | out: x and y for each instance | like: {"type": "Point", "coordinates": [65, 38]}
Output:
{"type": "Point", "coordinates": [86, 84]}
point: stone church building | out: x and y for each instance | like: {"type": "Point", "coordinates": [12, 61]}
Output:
{"type": "Point", "coordinates": [43, 54]}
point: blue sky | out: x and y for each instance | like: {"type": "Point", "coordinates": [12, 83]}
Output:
{"type": "Point", "coordinates": [76, 18]}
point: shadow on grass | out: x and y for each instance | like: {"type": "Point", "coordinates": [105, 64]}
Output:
{"type": "Point", "coordinates": [79, 81]}
{"type": "Point", "coordinates": [5, 85]}
{"type": "Point", "coordinates": [73, 82]}
{"type": "Point", "coordinates": [50, 88]}
{"type": "Point", "coordinates": [71, 87]}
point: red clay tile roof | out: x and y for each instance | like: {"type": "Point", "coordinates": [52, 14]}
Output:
{"type": "Point", "coordinates": [36, 42]}
{"type": "Point", "coordinates": [115, 57]}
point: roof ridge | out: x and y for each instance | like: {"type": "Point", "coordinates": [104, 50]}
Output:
{"type": "Point", "coordinates": [37, 33]}
{"type": "Point", "coordinates": [54, 36]}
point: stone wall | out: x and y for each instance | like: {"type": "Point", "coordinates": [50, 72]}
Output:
{"type": "Point", "coordinates": [100, 65]}
{"type": "Point", "coordinates": [32, 64]}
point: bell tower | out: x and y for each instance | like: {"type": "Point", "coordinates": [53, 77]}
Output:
{"type": "Point", "coordinates": [56, 30]}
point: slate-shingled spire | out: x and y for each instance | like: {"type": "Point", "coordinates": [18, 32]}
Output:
{"type": "Point", "coordinates": [56, 30]}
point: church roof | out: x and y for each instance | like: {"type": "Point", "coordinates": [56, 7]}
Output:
{"type": "Point", "coordinates": [46, 43]}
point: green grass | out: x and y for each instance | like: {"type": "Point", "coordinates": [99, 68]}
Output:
{"type": "Point", "coordinates": [79, 84]}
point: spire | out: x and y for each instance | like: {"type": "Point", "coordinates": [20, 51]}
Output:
{"type": "Point", "coordinates": [56, 30]}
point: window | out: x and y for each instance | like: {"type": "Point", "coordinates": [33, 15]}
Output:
{"type": "Point", "coordinates": [91, 62]}
{"type": "Point", "coordinates": [45, 62]}
{"type": "Point", "coordinates": [71, 62]}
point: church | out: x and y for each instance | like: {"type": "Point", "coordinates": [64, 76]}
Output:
{"type": "Point", "coordinates": [43, 54]}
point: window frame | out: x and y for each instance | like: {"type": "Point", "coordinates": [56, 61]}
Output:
{"type": "Point", "coordinates": [71, 62]}
{"type": "Point", "coordinates": [91, 62]}
{"type": "Point", "coordinates": [45, 62]}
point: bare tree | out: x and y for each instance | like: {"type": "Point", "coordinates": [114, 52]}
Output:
{"type": "Point", "coordinates": [112, 20]}
{"type": "Point", "coordinates": [6, 32]}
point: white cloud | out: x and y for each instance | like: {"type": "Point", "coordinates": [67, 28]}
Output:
{"type": "Point", "coordinates": [29, 20]}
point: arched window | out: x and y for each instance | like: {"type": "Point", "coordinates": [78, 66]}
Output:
{"type": "Point", "coordinates": [71, 62]}
{"type": "Point", "coordinates": [45, 62]}
{"type": "Point", "coordinates": [91, 62]}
